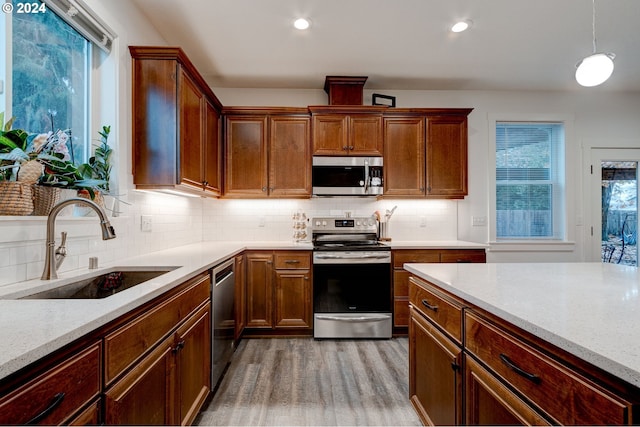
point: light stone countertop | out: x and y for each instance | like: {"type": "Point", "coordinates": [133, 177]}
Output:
{"type": "Point", "coordinates": [32, 329]}
{"type": "Point", "coordinates": [590, 310]}
{"type": "Point", "coordinates": [434, 244]}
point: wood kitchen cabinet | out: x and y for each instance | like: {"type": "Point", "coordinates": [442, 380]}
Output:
{"type": "Point", "coordinates": [471, 367]}
{"type": "Point", "coordinates": [55, 391]}
{"type": "Point", "coordinates": [169, 384]}
{"type": "Point", "coordinates": [347, 131]}
{"type": "Point", "coordinates": [563, 394]}
{"type": "Point", "coordinates": [176, 124]}
{"type": "Point", "coordinates": [261, 145]}
{"type": "Point", "coordinates": [425, 153]}
{"type": "Point", "coordinates": [435, 356]}
{"type": "Point", "coordinates": [401, 276]}
{"type": "Point", "coordinates": [279, 290]}
{"type": "Point", "coordinates": [293, 290]}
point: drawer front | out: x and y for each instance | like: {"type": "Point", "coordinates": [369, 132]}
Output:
{"type": "Point", "coordinates": [57, 394]}
{"type": "Point", "coordinates": [463, 255]}
{"type": "Point", "coordinates": [423, 255]}
{"type": "Point", "coordinates": [443, 310]}
{"type": "Point", "coordinates": [125, 345]}
{"type": "Point", "coordinates": [560, 392]}
{"type": "Point", "coordinates": [293, 260]}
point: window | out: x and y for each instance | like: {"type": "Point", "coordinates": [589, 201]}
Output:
{"type": "Point", "coordinates": [529, 202]}
{"type": "Point", "coordinates": [50, 58]}
{"type": "Point", "coordinates": [51, 79]}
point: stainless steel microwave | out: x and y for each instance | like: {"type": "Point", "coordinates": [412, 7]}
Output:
{"type": "Point", "coordinates": [347, 176]}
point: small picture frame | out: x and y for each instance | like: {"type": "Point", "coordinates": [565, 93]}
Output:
{"type": "Point", "coordinates": [389, 101]}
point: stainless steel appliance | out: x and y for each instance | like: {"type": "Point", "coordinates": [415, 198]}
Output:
{"type": "Point", "coordinates": [347, 176]}
{"type": "Point", "coordinates": [351, 280]}
{"type": "Point", "coordinates": [223, 319]}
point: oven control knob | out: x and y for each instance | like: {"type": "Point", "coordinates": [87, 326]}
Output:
{"type": "Point", "coordinates": [370, 222]}
{"type": "Point", "coordinates": [324, 223]}
{"type": "Point", "coordinates": [317, 223]}
{"type": "Point", "coordinates": [358, 223]}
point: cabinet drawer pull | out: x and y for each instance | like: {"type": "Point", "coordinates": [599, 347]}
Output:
{"type": "Point", "coordinates": [292, 261]}
{"type": "Point", "coordinates": [429, 306]}
{"type": "Point", "coordinates": [463, 261]}
{"type": "Point", "coordinates": [178, 346]}
{"type": "Point", "coordinates": [531, 377]}
{"type": "Point", "coordinates": [55, 402]}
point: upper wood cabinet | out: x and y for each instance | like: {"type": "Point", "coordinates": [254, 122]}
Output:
{"type": "Point", "coordinates": [425, 153]}
{"type": "Point", "coordinates": [347, 131]}
{"type": "Point", "coordinates": [175, 124]}
{"type": "Point", "coordinates": [267, 153]}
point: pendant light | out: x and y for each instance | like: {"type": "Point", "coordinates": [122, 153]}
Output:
{"type": "Point", "coordinates": [596, 68]}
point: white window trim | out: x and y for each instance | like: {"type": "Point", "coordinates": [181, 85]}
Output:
{"type": "Point", "coordinates": [567, 243]}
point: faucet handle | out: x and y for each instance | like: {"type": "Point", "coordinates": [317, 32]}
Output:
{"type": "Point", "coordinates": [61, 252]}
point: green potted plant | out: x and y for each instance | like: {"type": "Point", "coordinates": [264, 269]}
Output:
{"type": "Point", "coordinates": [42, 162]}
{"type": "Point", "coordinates": [98, 171]}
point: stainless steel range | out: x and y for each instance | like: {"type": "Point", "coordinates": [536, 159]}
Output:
{"type": "Point", "coordinates": [351, 279]}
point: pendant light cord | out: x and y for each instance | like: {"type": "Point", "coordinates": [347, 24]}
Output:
{"type": "Point", "coordinates": [593, 24]}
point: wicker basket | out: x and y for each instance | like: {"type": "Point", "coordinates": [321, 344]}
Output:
{"type": "Point", "coordinates": [45, 198]}
{"type": "Point", "coordinates": [16, 198]}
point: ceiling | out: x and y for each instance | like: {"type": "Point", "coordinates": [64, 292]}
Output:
{"type": "Point", "coordinates": [401, 44]}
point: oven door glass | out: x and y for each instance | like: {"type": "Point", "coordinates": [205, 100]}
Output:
{"type": "Point", "coordinates": [352, 288]}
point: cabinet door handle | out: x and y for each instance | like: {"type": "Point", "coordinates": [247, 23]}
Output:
{"type": "Point", "coordinates": [345, 148]}
{"type": "Point", "coordinates": [55, 402]}
{"type": "Point", "coordinates": [429, 306]}
{"type": "Point", "coordinates": [178, 346]}
{"type": "Point", "coordinates": [351, 147]}
{"type": "Point", "coordinates": [264, 189]}
{"type": "Point", "coordinates": [515, 368]}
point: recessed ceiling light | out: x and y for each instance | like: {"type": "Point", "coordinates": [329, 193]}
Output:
{"type": "Point", "coordinates": [302, 23]}
{"type": "Point", "coordinates": [461, 26]}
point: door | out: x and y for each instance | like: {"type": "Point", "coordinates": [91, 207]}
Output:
{"type": "Point", "coordinates": [614, 205]}
{"type": "Point", "coordinates": [259, 288]}
{"type": "Point", "coordinates": [435, 375]}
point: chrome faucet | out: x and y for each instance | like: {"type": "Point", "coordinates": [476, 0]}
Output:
{"type": "Point", "coordinates": [54, 258]}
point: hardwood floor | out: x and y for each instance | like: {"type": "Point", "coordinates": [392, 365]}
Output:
{"type": "Point", "coordinates": [300, 381]}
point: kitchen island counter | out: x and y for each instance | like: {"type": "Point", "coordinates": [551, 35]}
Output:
{"type": "Point", "coordinates": [586, 309]}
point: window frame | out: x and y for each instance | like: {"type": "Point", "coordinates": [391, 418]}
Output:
{"type": "Point", "coordinates": [565, 242]}
{"type": "Point", "coordinates": [103, 92]}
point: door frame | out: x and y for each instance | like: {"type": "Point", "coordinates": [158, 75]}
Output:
{"type": "Point", "coordinates": [593, 156]}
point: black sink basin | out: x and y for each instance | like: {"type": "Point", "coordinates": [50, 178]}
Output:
{"type": "Point", "coordinates": [104, 285]}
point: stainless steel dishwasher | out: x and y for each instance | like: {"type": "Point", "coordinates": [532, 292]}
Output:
{"type": "Point", "coordinates": [223, 319]}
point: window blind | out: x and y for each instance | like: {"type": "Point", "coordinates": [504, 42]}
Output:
{"type": "Point", "coordinates": [84, 21]}
{"type": "Point", "coordinates": [528, 179]}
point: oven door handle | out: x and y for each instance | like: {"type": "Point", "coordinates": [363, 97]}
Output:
{"type": "Point", "coordinates": [356, 257]}
{"type": "Point", "coordinates": [354, 319]}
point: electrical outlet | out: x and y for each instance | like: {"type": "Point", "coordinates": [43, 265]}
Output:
{"type": "Point", "coordinates": [262, 221]}
{"type": "Point", "coordinates": [145, 223]}
{"type": "Point", "coordinates": [479, 221]}
{"type": "Point", "coordinates": [423, 221]}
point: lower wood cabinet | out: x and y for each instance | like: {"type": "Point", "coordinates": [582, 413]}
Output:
{"type": "Point", "coordinates": [401, 276]}
{"type": "Point", "coordinates": [510, 376]}
{"type": "Point", "coordinates": [56, 395]}
{"type": "Point", "coordinates": [489, 402]}
{"type": "Point", "coordinates": [279, 290]}
{"type": "Point", "coordinates": [170, 384]}
{"type": "Point", "coordinates": [435, 373]}
{"type": "Point", "coordinates": [151, 366]}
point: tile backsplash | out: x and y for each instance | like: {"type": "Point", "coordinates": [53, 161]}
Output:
{"type": "Point", "coordinates": [176, 221]}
